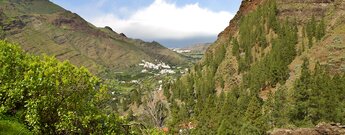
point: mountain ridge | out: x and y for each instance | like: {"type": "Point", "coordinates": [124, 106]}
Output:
{"type": "Point", "coordinates": [42, 27]}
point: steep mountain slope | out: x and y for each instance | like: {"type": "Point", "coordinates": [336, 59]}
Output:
{"type": "Point", "coordinates": [276, 65]}
{"type": "Point", "coordinates": [40, 26]}
{"type": "Point", "coordinates": [302, 12]}
{"type": "Point", "coordinates": [328, 52]}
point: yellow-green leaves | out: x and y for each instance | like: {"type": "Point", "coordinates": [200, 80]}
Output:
{"type": "Point", "coordinates": [56, 97]}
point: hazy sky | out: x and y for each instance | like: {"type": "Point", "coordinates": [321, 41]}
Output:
{"type": "Point", "coordinates": [173, 23]}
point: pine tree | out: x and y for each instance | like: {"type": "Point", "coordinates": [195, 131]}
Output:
{"type": "Point", "coordinates": [183, 113]}
{"type": "Point", "coordinates": [301, 97]}
{"type": "Point", "coordinates": [320, 29]}
{"type": "Point", "coordinates": [166, 90]}
{"type": "Point", "coordinates": [253, 112]}
{"type": "Point", "coordinates": [268, 108]}
{"type": "Point", "coordinates": [235, 48]}
{"type": "Point", "coordinates": [175, 120]}
{"type": "Point", "coordinates": [280, 108]}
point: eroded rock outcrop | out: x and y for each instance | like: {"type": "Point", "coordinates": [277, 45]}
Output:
{"type": "Point", "coordinates": [320, 129]}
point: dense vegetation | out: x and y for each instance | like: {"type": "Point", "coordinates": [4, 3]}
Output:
{"type": "Point", "coordinates": [264, 48]}
{"type": "Point", "coordinates": [317, 97]}
{"type": "Point", "coordinates": [52, 97]}
{"type": "Point", "coordinates": [40, 95]}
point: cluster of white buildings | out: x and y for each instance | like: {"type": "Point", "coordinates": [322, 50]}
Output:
{"type": "Point", "coordinates": [149, 65]}
{"type": "Point", "coordinates": [179, 50]}
{"type": "Point", "coordinates": [161, 66]}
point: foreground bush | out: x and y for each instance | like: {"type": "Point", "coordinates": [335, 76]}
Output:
{"type": "Point", "coordinates": [53, 97]}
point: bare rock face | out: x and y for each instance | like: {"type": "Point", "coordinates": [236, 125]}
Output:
{"type": "Point", "coordinates": [303, 10]}
{"type": "Point", "coordinates": [246, 7]}
{"type": "Point", "coordinates": [320, 129]}
{"type": "Point", "coordinates": [123, 35]}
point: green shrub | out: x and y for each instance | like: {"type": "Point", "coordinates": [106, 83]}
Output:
{"type": "Point", "coordinates": [54, 97]}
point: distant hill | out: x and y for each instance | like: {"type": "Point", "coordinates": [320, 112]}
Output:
{"type": "Point", "coordinates": [41, 27]}
{"type": "Point", "coordinates": [198, 48]}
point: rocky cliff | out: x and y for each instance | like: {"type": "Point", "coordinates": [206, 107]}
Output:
{"type": "Point", "coordinates": [320, 129]}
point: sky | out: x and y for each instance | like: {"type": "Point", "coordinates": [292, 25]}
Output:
{"type": "Point", "coordinates": [173, 23]}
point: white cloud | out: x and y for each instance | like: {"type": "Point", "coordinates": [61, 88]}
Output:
{"type": "Point", "coordinates": [164, 20]}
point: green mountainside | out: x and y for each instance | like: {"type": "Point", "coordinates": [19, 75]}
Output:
{"type": "Point", "coordinates": [279, 64]}
{"type": "Point", "coordinates": [41, 27]}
